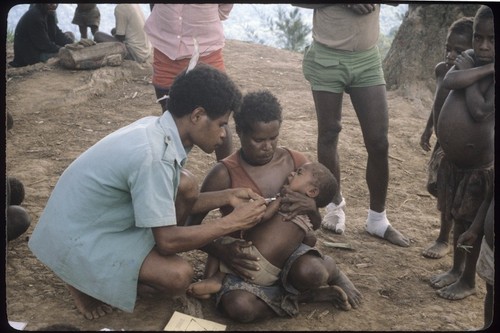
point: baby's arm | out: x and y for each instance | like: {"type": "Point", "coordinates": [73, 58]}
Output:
{"type": "Point", "coordinates": [481, 105]}
{"type": "Point", "coordinates": [272, 208]}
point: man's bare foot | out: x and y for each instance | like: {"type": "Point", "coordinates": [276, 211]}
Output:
{"type": "Point", "coordinates": [444, 279]}
{"type": "Point", "coordinates": [353, 294]}
{"type": "Point", "coordinates": [333, 294]}
{"type": "Point", "coordinates": [90, 307]}
{"type": "Point", "coordinates": [456, 291]}
{"type": "Point", "coordinates": [436, 250]}
{"type": "Point", "coordinates": [395, 237]}
{"type": "Point", "coordinates": [204, 288]}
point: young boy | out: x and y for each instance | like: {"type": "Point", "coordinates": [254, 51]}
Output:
{"type": "Point", "coordinates": [465, 129]}
{"type": "Point", "coordinates": [275, 239]}
{"type": "Point", "coordinates": [458, 40]}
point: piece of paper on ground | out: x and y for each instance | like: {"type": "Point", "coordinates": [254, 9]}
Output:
{"type": "Point", "coordinates": [184, 322]}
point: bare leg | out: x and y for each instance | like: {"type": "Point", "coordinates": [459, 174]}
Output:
{"type": "Point", "coordinates": [165, 275]}
{"type": "Point", "coordinates": [310, 272]}
{"type": "Point", "coordinates": [204, 288]}
{"type": "Point", "coordinates": [370, 105]}
{"type": "Point", "coordinates": [466, 284]}
{"type": "Point", "coordinates": [90, 307]}
{"type": "Point", "coordinates": [440, 247]}
{"type": "Point", "coordinates": [83, 31]}
{"type": "Point", "coordinates": [329, 114]}
{"type": "Point", "coordinates": [449, 277]}
{"type": "Point", "coordinates": [245, 307]}
{"type": "Point", "coordinates": [488, 306]}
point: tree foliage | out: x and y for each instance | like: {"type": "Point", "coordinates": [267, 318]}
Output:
{"type": "Point", "coordinates": [290, 28]}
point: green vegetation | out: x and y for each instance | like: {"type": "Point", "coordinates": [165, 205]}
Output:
{"type": "Point", "coordinates": [10, 36]}
{"type": "Point", "coordinates": [291, 30]}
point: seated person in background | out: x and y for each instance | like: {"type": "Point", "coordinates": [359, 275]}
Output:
{"type": "Point", "coordinates": [129, 29]}
{"type": "Point", "coordinates": [37, 37]}
{"type": "Point", "coordinates": [275, 239]}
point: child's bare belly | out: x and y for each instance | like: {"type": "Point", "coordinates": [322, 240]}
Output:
{"type": "Point", "coordinates": [467, 143]}
{"type": "Point", "coordinates": [276, 240]}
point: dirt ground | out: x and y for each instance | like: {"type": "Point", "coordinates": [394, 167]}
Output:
{"type": "Point", "coordinates": [59, 113]}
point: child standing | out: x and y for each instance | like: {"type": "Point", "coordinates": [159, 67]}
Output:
{"type": "Point", "coordinates": [458, 40]}
{"type": "Point", "coordinates": [465, 130]}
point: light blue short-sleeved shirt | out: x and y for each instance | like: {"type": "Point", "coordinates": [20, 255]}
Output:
{"type": "Point", "coordinates": [95, 230]}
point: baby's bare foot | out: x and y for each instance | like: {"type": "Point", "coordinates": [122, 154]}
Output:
{"type": "Point", "coordinates": [90, 307]}
{"type": "Point", "coordinates": [436, 250]}
{"type": "Point", "coordinates": [456, 291]}
{"type": "Point", "coordinates": [203, 289]}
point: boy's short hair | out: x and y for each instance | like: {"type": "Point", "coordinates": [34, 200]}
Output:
{"type": "Point", "coordinates": [203, 86]}
{"type": "Point", "coordinates": [462, 26]}
{"type": "Point", "coordinates": [326, 183]}
{"type": "Point", "coordinates": [483, 13]}
{"type": "Point", "coordinates": [260, 106]}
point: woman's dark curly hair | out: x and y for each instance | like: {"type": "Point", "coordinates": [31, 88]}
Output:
{"type": "Point", "coordinates": [203, 86]}
{"type": "Point", "coordinates": [260, 106]}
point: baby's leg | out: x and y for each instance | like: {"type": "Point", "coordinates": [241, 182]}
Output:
{"type": "Point", "coordinates": [204, 288]}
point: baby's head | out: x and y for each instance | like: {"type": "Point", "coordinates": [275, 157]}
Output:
{"type": "Point", "coordinates": [316, 181]}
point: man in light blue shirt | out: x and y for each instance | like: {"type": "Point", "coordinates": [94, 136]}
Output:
{"type": "Point", "coordinates": [110, 227]}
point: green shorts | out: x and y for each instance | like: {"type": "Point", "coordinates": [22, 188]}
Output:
{"type": "Point", "coordinates": [336, 71]}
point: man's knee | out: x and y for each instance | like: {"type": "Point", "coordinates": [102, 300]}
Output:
{"type": "Point", "coordinates": [330, 134]}
{"type": "Point", "coordinates": [178, 279]}
{"type": "Point", "coordinates": [378, 146]}
{"type": "Point", "coordinates": [184, 274]}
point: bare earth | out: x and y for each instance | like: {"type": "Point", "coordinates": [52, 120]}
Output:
{"type": "Point", "coordinates": [59, 113]}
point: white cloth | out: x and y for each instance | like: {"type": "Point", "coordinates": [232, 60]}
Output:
{"type": "Point", "coordinates": [377, 223]}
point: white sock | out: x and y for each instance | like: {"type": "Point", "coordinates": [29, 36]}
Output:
{"type": "Point", "coordinates": [377, 223]}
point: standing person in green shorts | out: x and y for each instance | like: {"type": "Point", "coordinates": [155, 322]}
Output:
{"type": "Point", "coordinates": [344, 58]}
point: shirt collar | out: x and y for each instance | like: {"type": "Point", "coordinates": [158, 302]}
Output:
{"type": "Point", "coordinates": [172, 137]}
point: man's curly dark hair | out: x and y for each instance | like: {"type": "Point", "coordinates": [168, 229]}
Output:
{"type": "Point", "coordinates": [260, 106]}
{"type": "Point", "coordinates": [203, 86]}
